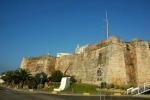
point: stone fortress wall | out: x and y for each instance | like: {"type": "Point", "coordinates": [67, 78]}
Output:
{"type": "Point", "coordinates": [120, 62]}
{"type": "Point", "coordinates": [39, 64]}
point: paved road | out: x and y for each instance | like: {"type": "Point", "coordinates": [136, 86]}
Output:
{"type": "Point", "coordinates": [7, 94]}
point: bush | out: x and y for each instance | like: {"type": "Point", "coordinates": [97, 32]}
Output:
{"type": "Point", "coordinates": [103, 85]}
{"type": "Point", "coordinates": [53, 85]}
{"type": "Point", "coordinates": [109, 86]}
{"type": "Point", "coordinates": [72, 79]}
{"type": "Point", "coordinates": [126, 86]}
{"type": "Point", "coordinates": [32, 83]}
{"type": "Point", "coordinates": [122, 86]}
{"type": "Point", "coordinates": [56, 76]}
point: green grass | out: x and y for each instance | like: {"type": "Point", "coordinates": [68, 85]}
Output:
{"type": "Point", "coordinates": [86, 88]}
{"type": "Point", "coordinates": [81, 88]}
{"type": "Point", "coordinates": [92, 89]}
{"type": "Point", "coordinates": [121, 86]}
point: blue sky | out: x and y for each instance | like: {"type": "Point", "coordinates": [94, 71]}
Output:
{"type": "Point", "coordinates": [36, 27]}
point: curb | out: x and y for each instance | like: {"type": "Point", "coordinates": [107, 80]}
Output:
{"type": "Point", "coordinates": [86, 94]}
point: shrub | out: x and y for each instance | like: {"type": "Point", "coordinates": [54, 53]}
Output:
{"type": "Point", "coordinates": [32, 83]}
{"type": "Point", "coordinates": [103, 85]}
{"type": "Point", "coordinates": [126, 86]}
{"type": "Point", "coordinates": [56, 76]}
{"type": "Point", "coordinates": [122, 86]}
{"type": "Point", "coordinates": [73, 80]}
{"type": "Point", "coordinates": [53, 85]}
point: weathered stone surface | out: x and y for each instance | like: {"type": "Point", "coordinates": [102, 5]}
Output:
{"type": "Point", "coordinates": [39, 64]}
{"type": "Point", "coordinates": [120, 62]}
{"type": "Point", "coordinates": [143, 62]}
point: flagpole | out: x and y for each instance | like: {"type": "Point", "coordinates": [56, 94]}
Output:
{"type": "Point", "coordinates": [107, 30]}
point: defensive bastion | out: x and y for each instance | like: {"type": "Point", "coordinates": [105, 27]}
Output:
{"type": "Point", "coordinates": [119, 62]}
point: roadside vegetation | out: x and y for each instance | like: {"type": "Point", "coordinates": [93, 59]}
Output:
{"type": "Point", "coordinates": [22, 79]}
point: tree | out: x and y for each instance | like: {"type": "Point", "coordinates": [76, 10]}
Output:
{"type": "Point", "coordinates": [32, 83]}
{"type": "Point", "coordinates": [8, 77]}
{"type": "Point", "coordinates": [40, 80]}
{"type": "Point", "coordinates": [23, 76]}
{"type": "Point", "coordinates": [16, 77]}
{"type": "Point", "coordinates": [56, 76]}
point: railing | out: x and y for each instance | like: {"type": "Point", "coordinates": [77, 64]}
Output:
{"type": "Point", "coordinates": [139, 90]}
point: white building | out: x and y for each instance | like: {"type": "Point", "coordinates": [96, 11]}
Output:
{"type": "Point", "coordinates": [80, 50]}
{"type": "Point", "coordinates": [63, 54]}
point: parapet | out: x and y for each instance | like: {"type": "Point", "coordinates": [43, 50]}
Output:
{"type": "Point", "coordinates": [113, 39]}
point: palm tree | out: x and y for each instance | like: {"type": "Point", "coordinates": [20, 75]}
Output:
{"type": "Point", "coordinates": [8, 77]}
{"type": "Point", "coordinates": [23, 76]}
{"type": "Point", "coordinates": [19, 76]}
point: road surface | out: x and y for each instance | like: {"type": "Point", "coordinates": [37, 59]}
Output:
{"type": "Point", "coordinates": [8, 94]}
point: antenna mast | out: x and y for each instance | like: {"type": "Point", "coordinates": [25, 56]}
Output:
{"type": "Point", "coordinates": [107, 30]}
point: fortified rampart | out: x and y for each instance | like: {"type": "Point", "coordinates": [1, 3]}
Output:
{"type": "Point", "coordinates": [119, 63]}
{"type": "Point", "coordinates": [39, 64]}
